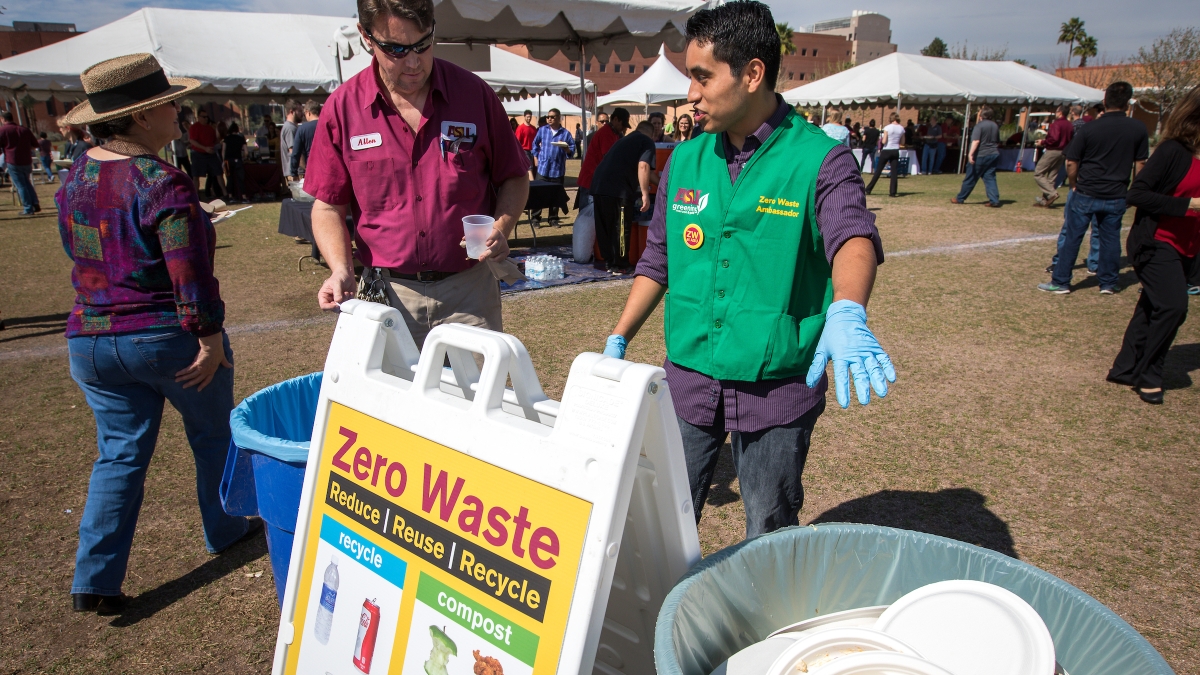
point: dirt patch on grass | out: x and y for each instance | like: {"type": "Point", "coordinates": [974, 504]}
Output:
{"type": "Point", "coordinates": [1001, 432]}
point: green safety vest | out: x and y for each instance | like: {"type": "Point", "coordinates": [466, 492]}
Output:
{"type": "Point", "coordinates": [749, 282]}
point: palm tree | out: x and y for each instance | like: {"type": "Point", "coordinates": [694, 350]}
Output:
{"type": "Point", "coordinates": [1070, 32]}
{"type": "Point", "coordinates": [786, 46]}
{"type": "Point", "coordinates": [1085, 48]}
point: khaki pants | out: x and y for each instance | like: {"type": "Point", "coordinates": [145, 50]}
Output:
{"type": "Point", "coordinates": [1047, 171]}
{"type": "Point", "coordinates": [471, 297]}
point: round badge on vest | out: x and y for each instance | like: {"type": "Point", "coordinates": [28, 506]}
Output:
{"type": "Point", "coordinates": [693, 236]}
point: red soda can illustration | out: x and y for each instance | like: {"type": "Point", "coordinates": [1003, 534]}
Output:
{"type": "Point", "coordinates": [368, 630]}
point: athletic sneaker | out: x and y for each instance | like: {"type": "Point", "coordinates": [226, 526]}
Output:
{"type": "Point", "coordinates": [1193, 290]}
{"type": "Point", "coordinates": [1091, 273]}
{"type": "Point", "coordinates": [1054, 288]}
{"type": "Point", "coordinates": [1108, 291]}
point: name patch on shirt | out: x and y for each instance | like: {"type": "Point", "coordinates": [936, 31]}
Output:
{"type": "Point", "coordinates": [365, 141]}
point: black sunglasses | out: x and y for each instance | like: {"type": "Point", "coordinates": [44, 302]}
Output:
{"type": "Point", "coordinates": [400, 51]}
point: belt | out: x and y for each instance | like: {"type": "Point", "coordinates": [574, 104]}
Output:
{"type": "Point", "coordinates": [423, 277]}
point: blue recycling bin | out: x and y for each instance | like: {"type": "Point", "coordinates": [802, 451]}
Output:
{"type": "Point", "coordinates": [264, 471]}
{"type": "Point", "coordinates": [739, 595]}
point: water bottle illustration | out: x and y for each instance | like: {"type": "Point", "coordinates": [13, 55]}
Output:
{"type": "Point", "coordinates": [328, 598]}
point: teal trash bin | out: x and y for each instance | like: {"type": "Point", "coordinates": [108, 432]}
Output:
{"type": "Point", "coordinates": [738, 596]}
{"type": "Point", "coordinates": [264, 471]}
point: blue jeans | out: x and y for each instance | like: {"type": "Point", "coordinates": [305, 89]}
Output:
{"type": "Point", "coordinates": [1093, 258]}
{"type": "Point", "coordinates": [985, 168]}
{"type": "Point", "coordinates": [867, 153]}
{"type": "Point", "coordinates": [940, 158]}
{"type": "Point", "coordinates": [1080, 211]}
{"type": "Point", "coordinates": [22, 178]}
{"type": "Point", "coordinates": [928, 158]}
{"type": "Point", "coordinates": [125, 380]}
{"type": "Point", "coordinates": [769, 464]}
{"type": "Point", "coordinates": [48, 167]}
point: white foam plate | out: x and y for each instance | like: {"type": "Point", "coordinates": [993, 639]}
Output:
{"type": "Point", "coordinates": [861, 616]}
{"type": "Point", "coordinates": [823, 648]}
{"type": "Point", "coordinates": [755, 659]}
{"type": "Point", "coordinates": [882, 663]}
{"type": "Point", "coordinates": [972, 628]}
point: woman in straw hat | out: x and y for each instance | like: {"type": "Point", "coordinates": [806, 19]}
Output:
{"type": "Point", "coordinates": [147, 323]}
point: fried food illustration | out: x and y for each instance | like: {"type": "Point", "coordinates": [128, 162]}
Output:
{"type": "Point", "coordinates": [486, 665]}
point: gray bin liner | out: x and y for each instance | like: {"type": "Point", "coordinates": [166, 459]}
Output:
{"type": "Point", "coordinates": [738, 596]}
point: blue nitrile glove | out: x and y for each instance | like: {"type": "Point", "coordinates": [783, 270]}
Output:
{"type": "Point", "coordinates": [848, 342]}
{"type": "Point", "coordinates": [615, 346]}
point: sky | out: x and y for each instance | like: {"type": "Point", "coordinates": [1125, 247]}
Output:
{"type": "Point", "coordinates": [1025, 27]}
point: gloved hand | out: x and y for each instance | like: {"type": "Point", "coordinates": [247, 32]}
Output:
{"type": "Point", "coordinates": [615, 346]}
{"type": "Point", "coordinates": [848, 342]}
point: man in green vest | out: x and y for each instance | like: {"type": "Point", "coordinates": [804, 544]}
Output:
{"type": "Point", "coordinates": [761, 226]}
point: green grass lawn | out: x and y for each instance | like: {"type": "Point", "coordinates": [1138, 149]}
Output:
{"type": "Point", "coordinates": [1000, 431]}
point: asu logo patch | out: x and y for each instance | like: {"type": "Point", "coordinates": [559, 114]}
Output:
{"type": "Point", "coordinates": [690, 202]}
{"type": "Point", "coordinates": [693, 236]}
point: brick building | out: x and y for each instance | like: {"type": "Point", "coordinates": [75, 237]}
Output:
{"type": "Point", "coordinates": [816, 55]}
{"type": "Point", "coordinates": [26, 36]}
{"type": "Point", "coordinates": [870, 34]}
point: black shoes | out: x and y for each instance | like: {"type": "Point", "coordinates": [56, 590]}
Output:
{"type": "Point", "coordinates": [1153, 398]}
{"type": "Point", "coordinates": [100, 604]}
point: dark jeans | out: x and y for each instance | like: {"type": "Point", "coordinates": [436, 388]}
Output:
{"type": "Point", "coordinates": [769, 464]}
{"type": "Point", "coordinates": [614, 227]}
{"type": "Point", "coordinates": [1108, 214]}
{"type": "Point", "coordinates": [1160, 311]}
{"type": "Point", "coordinates": [985, 168]}
{"type": "Point", "coordinates": [867, 153]}
{"type": "Point", "coordinates": [22, 180]}
{"type": "Point", "coordinates": [1093, 257]}
{"type": "Point", "coordinates": [891, 157]}
{"type": "Point", "coordinates": [126, 379]}
{"type": "Point", "coordinates": [940, 158]}
{"type": "Point", "coordinates": [554, 210]}
{"type": "Point", "coordinates": [236, 178]}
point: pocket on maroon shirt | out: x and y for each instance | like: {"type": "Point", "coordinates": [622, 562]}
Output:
{"type": "Point", "coordinates": [370, 179]}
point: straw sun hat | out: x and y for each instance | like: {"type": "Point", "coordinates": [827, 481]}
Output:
{"type": "Point", "coordinates": [125, 85]}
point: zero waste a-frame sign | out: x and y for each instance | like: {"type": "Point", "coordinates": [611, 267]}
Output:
{"type": "Point", "coordinates": [449, 525]}
{"type": "Point", "coordinates": [460, 561]}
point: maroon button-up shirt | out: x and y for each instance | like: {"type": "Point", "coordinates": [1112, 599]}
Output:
{"type": "Point", "coordinates": [409, 190]}
{"type": "Point", "coordinates": [841, 209]}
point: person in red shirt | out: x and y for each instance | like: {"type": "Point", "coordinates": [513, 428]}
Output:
{"type": "Point", "coordinates": [202, 139]}
{"type": "Point", "coordinates": [17, 144]}
{"type": "Point", "coordinates": [1057, 137]}
{"type": "Point", "coordinates": [526, 132]}
{"type": "Point", "coordinates": [411, 145]}
{"type": "Point", "coordinates": [598, 146]}
{"type": "Point", "coordinates": [1163, 246]}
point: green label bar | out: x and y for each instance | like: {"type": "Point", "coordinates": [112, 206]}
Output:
{"type": "Point", "coordinates": [492, 627]}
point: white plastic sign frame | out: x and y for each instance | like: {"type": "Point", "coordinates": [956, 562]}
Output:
{"type": "Point", "coordinates": [602, 470]}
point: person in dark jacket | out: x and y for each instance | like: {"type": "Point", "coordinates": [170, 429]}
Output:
{"type": "Point", "coordinates": [1162, 246]}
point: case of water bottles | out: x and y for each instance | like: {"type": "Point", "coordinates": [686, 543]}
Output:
{"type": "Point", "coordinates": [544, 268]}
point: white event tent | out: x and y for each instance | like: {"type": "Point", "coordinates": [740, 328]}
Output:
{"type": "Point", "coordinates": [540, 105]}
{"type": "Point", "coordinates": [661, 83]}
{"type": "Point", "coordinates": [914, 79]}
{"type": "Point", "coordinates": [241, 56]}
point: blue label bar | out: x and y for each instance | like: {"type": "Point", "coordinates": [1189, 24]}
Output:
{"type": "Point", "coordinates": [363, 551]}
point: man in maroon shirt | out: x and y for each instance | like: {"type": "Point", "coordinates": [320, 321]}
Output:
{"type": "Point", "coordinates": [18, 143]}
{"type": "Point", "coordinates": [599, 145]}
{"type": "Point", "coordinates": [412, 145]}
{"type": "Point", "coordinates": [202, 140]}
{"type": "Point", "coordinates": [1056, 140]}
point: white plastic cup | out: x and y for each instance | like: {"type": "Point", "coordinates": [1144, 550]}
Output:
{"type": "Point", "coordinates": [477, 229]}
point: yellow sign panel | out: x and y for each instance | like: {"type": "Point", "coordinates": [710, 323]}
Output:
{"type": "Point", "coordinates": [422, 559]}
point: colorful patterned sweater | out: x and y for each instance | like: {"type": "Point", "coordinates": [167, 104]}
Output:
{"type": "Point", "coordinates": [142, 246]}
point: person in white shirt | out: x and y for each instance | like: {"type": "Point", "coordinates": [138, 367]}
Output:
{"type": "Point", "coordinates": [893, 137]}
{"type": "Point", "coordinates": [837, 132]}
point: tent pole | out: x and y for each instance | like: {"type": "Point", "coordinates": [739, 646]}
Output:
{"type": "Point", "coordinates": [823, 109]}
{"type": "Point", "coordinates": [17, 102]}
{"type": "Point", "coordinates": [583, 99]}
{"type": "Point", "coordinates": [962, 151]}
{"type": "Point", "coordinates": [1024, 133]}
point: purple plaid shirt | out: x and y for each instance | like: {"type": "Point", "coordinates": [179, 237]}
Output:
{"type": "Point", "coordinates": [841, 209]}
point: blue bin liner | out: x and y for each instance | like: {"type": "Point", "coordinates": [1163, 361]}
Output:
{"type": "Point", "coordinates": [264, 471]}
{"type": "Point", "coordinates": [738, 596]}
